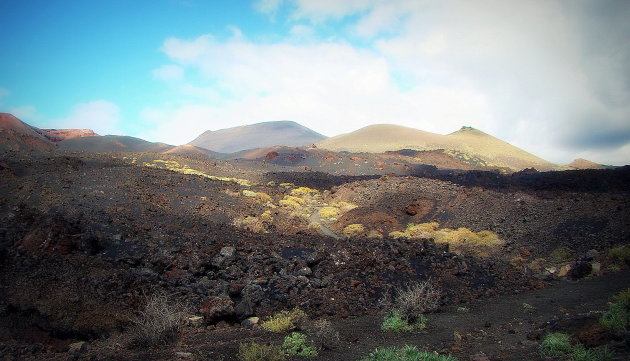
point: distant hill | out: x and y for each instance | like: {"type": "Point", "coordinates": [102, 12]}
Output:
{"type": "Point", "coordinates": [113, 143]}
{"type": "Point", "coordinates": [58, 135]}
{"type": "Point", "coordinates": [260, 135]}
{"type": "Point", "coordinates": [191, 149]}
{"type": "Point", "coordinates": [466, 142]}
{"type": "Point", "coordinates": [17, 135]}
{"type": "Point", "coordinates": [581, 163]}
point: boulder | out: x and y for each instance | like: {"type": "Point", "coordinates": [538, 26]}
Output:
{"type": "Point", "coordinates": [215, 309]}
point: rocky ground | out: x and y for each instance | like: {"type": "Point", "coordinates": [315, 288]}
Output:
{"type": "Point", "coordinates": [85, 237]}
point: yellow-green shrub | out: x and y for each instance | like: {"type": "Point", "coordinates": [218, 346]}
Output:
{"type": "Point", "coordinates": [300, 191]}
{"type": "Point", "coordinates": [292, 202]}
{"type": "Point", "coordinates": [251, 224]}
{"type": "Point", "coordinates": [329, 212]}
{"type": "Point", "coordinates": [284, 321]}
{"type": "Point", "coordinates": [354, 230]}
{"type": "Point", "coordinates": [619, 256]}
{"type": "Point", "coordinates": [257, 352]}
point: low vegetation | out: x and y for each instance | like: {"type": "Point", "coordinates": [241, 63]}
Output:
{"type": "Point", "coordinates": [456, 238]}
{"type": "Point", "coordinates": [354, 230]}
{"type": "Point", "coordinates": [324, 334]}
{"type": "Point", "coordinates": [285, 321]}
{"type": "Point", "coordinates": [406, 353]}
{"type": "Point", "coordinates": [619, 256]}
{"type": "Point", "coordinates": [257, 352]}
{"type": "Point", "coordinates": [617, 318]}
{"type": "Point", "coordinates": [559, 345]}
{"type": "Point", "coordinates": [184, 169]}
{"type": "Point", "coordinates": [159, 323]}
{"type": "Point", "coordinates": [409, 304]}
{"type": "Point", "coordinates": [296, 344]}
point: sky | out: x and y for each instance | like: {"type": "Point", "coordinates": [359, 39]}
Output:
{"type": "Point", "coordinates": [549, 76]}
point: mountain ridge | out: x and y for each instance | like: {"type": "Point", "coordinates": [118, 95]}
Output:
{"type": "Point", "coordinates": [258, 135]}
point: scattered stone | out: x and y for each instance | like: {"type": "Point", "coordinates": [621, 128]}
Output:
{"type": "Point", "coordinates": [580, 269]}
{"type": "Point", "coordinates": [227, 252]}
{"type": "Point", "coordinates": [564, 270]}
{"type": "Point", "coordinates": [304, 271]}
{"type": "Point", "coordinates": [77, 347]}
{"type": "Point", "coordinates": [249, 322]}
{"type": "Point", "coordinates": [195, 321]}
{"type": "Point", "coordinates": [596, 268]}
{"type": "Point", "coordinates": [184, 354]}
{"type": "Point", "coordinates": [217, 308]}
{"type": "Point", "coordinates": [479, 357]}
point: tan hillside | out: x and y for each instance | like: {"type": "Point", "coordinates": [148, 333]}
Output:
{"type": "Point", "coordinates": [472, 142]}
{"type": "Point", "coordinates": [581, 163]}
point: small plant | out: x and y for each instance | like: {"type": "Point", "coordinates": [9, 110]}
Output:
{"type": "Point", "coordinates": [619, 256]}
{"type": "Point", "coordinates": [300, 191]}
{"type": "Point", "coordinates": [395, 322]}
{"type": "Point", "coordinates": [257, 352]}
{"type": "Point", "coordinates": [284, 321]}
{"type": "Point", "coordinates": [581, 353]}
{"type": "Point", "coordinates": [329, 213]}
{"type": "Point", "coordinates": [295, 344]}
{"type": "Point", "coordinates": [556, 345]}
{"type": "Point", "coordinates": [354, 230]}
{"type": "Point", "coordinates": [527, 306]}
{"type": "Point", "coordinates": [617, 318]}
{"type": "Point", "coordinates": [159, 323]}
{"type": "Point", "coordinates": [415, 299]}
{"type": "Point", "coordinates": [406, 353]}
{"type": "Point", "coordinates": [462, 309]}
{"type": "Point", "coordinates": [292, 202]}
{"type": "Point", "coordinates": [559, 345]}
{"type": "Point", "coordinates": [324, 334]}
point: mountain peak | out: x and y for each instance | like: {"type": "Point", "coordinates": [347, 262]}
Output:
{"type": "Point", "coordinates": [258, 135]}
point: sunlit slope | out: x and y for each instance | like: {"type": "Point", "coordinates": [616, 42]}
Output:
{"type": "Point", "coordinates": [465, 142]}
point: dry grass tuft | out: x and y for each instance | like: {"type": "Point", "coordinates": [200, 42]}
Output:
{"type": "Point", "coordinates": [160, 322]}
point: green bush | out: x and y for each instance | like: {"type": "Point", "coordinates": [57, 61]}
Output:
{"type": "Point", "coordinates": [617, 318]}
{"type": "Point", "coordinates": [559, 345]}
{"type": "Point", "coordinates": [295, 345]}
{"type": "Point", "coordinates": [394, 321]}
{"type": "Point", "coordinates": [555, 345]}
{"type": "Point", "coordinates": [619, 256]}
{"type": "Point", "coordinates": [257, 352]}
{"type": "Point", "coordinates": [406, 353]}
{"type": "Point", "coordinates": [581, 353]}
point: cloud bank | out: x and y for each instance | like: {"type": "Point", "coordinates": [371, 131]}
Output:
{"type": "Point", "coordinates": [548, 76]}
{"type": "Point", "coordinates": [100, 115]}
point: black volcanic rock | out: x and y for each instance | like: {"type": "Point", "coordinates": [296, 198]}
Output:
{"type": "Point", "coordinates": [266, 134]}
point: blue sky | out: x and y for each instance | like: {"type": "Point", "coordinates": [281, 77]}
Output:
{"type": "Point", "coordinates": [548, 76]}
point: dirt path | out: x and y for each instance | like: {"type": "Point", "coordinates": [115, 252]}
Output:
{"type": "Point", "coordinates": [315, 218]}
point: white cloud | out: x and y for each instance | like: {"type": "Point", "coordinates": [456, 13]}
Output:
{"type": "Point", "coordinates": [100, 115]}
{"type": "Point", "coordinates": [330, 87]}
{"type": "Point", "coordinates": [169, 73]}
{"type": "Point", "coordinates": [527, 72]}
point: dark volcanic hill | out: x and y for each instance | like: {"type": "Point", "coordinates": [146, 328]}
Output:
{"type": "Point", "coordinates": [113, 143]}
{"type": "Point", "coordinates": [258, 135]}
{"type": "Point", "coordinates": [17, 135]}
